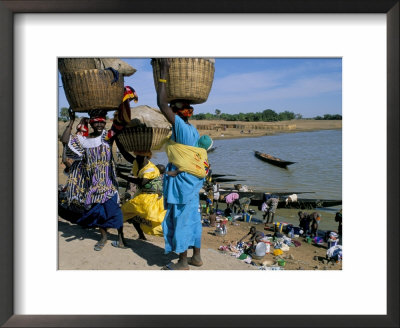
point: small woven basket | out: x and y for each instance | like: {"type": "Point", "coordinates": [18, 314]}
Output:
{"type": "Point", "coordinates": [69, 65]}
{"type": "Point", "coordinates": [141, 138]}
{"type": "Point", "coordinates": [188, 79]}
{"type": "Point", "coordinates": [92, 89]}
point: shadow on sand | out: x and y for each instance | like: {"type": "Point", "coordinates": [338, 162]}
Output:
{"type": "Point", "coordinates": [154, 255]}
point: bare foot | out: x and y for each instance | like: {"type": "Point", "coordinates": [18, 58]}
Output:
{"type": "Point", "coordinates": [195, 260]}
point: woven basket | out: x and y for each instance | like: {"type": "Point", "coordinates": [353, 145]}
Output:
{"type": "Point", "coordinates": [142, 138]}
{"type": "Point", "coordinates": [69, 65]}
{"type": "Point", "coordinates": [188, 79]}
{"type": "Point", "coordinates": [92, 89]}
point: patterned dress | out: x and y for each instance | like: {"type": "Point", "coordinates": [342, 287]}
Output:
{"type": "Point", "coordinates": [92, 184]}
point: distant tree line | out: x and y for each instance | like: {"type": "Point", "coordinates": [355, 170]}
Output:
{"type": "Point", "coordinates": [267, 115]}
{"type": "Point", "coordinates": [64, 116]}
{"type": "Point", "coordinates": [329, 117]}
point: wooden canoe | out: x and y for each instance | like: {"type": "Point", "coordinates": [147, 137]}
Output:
{"type": "Point", "coordinates": [272, 159]}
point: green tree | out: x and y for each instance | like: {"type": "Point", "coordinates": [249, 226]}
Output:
{"type": "Point", "coordinates": [209, 116]}
{"type": "Point", "coordinates": [269, 115]}
{"type": "Point", "coordinates": [286, 116]}
{"type": "Point", "coordinates": [64, 116]}
{"type": "Point", "coordinates": [218, 113]}
{"type": "Point", "coordinates": [199, 116]}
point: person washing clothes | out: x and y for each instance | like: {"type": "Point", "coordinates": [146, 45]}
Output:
{"type": "Point", "coordinates": [304, 222]}
{"type": "Point", "coordinates": [338, 218]}
{"type": "Point", "coordinates": [315, 218]}
{"type": "Point", "coordinates": [272, 204]}
{"type": "Point", "coordinates": [230, 201]}
{"type": "Point", "coordinates": [255, 236]}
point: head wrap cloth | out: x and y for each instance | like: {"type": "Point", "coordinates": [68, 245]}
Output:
{"type": "Point", "coordinates": [123, 115]}
{"type": "Point", "coordinates": [182, 108]}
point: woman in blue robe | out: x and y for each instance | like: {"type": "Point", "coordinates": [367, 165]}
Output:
{"type": "Point", "coordinates": [182, 226]}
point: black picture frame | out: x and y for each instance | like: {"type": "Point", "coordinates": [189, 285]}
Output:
{"type": "Point", "coordinates": [7, 11]}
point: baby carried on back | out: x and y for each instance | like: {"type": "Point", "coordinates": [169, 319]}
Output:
{"type": "Point", "coordinates": [190, 159]}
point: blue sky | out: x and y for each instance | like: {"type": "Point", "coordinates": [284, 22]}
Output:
{"type": "Point", "coordinates": [306, 86]}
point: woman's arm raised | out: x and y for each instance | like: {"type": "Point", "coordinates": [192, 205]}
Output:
{"type": "Point", "coordinates": [162, 92]}
{"type": "Point", "coordinates": [128, 157]}
{"type": "Point", "coordinates": [67, 133]}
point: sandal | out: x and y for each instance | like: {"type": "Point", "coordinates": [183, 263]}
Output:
{"type": "Point", "coordinates": [117, 244]}
{"type": "Point", "coordinates": [98, 247]}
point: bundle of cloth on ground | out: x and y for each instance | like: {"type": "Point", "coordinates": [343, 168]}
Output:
{"type": "Point", "coordinates": [335, 252]}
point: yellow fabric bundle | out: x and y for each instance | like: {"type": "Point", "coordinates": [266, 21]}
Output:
{"type": "Point", "coordinates": [148, 209]}
{"type": "Point", "coordinates": [193, 160]}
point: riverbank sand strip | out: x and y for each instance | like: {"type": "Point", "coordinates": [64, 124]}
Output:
{"type": "Point", "coordinates": [219, 129]}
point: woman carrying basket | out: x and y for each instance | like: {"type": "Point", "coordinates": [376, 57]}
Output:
{"type": "Point", "coordinates": [92, 183]}
{"type": "Point", "coordinates": [182, 224]}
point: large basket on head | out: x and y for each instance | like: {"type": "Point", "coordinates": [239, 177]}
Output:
{"type": "Point", "coordinates": [93, 89]}
{"type": "Point", "coordinates": [142, 138]}
{"type": "Point", "coordinates": [187, 79]}
{"type": "Point", "coordinates": [69, 65]}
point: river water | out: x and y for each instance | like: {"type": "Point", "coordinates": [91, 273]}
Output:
{"type": "Point", "coordinates": [318, 167]}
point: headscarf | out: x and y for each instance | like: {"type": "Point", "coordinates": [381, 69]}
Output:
{"type": "Point", "coordinates": [97, 115]}
{"type": "Point", "coordinates": [182, 108]}
{"type": "Point", "coordinates": [123, 115]}
{"type": "Point", "coordinates": [129, 94]}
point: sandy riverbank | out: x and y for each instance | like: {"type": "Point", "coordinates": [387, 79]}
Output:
{"type": "Point", "coordinates": [229, 130]}
{"type": "Point", "coordinates": [219, 129]}
{"type": "Point", "coordinates": [76, 249]}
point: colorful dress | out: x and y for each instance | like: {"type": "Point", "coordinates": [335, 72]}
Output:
{"type": "Point", "coordinates": [147, 206]}
{"type": "Point", "coordinates": [182, 224]}
{"type": "Point", "coordinates": [92, 184]}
